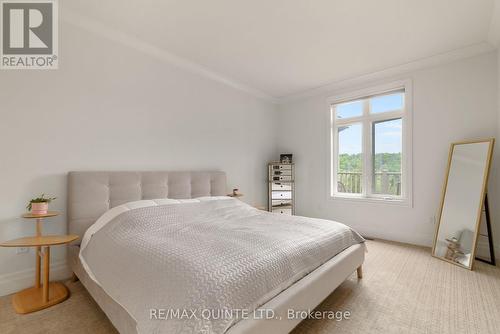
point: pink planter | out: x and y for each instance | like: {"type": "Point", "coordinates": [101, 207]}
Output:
{"type": "Point", "coordinates": [39, 208]}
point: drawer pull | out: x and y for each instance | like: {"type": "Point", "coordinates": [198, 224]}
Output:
{"type": "Point", "coordinates": [280, 186]}
{"type": "Point", "coordinates": [284, 172]}
{"type": "Point", "coordinates": [281, 202]}
{"type": "Point", "coordinates": [281, 195]}
{"type": "Point", "coordinates": [282, 178]}
{"type": "Point", "coordinates": [281, 167]}
{"type": "Point", "coordinates": [283, 211]}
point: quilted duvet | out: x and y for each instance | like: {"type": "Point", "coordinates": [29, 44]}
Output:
{"type": "Point", "coordinates": [189, 260]}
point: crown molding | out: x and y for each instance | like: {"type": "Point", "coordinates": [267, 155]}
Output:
{"type": "Point", "coordinates": [462, 53]}
{"type": "Point", "coordinates": [73, 18]}
{"type": "Point", "coordinates": [493, 40]}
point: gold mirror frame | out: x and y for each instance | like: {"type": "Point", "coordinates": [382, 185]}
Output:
{"type": "Point", "coordinates": [491, 142]}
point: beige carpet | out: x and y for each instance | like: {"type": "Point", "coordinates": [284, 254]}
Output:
{"type": "Point", "coordinates": [404, 290]}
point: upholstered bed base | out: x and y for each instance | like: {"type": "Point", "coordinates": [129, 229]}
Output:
{"type": "Point", "coordinates": [90, 194]}
{"type": "Point", "coordinates": [116, 314]}
{"type": "Point", "coordinates": [305, 294]}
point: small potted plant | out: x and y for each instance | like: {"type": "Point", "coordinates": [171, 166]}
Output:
{"type": "Point", "coordinates": [40, 205]}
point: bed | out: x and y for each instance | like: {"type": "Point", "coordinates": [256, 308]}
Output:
{"type": "Point", "coordinates": [91, 194]}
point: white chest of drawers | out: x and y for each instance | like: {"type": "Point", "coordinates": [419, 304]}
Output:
{"type": "Point", "coordinates": [281, 179]}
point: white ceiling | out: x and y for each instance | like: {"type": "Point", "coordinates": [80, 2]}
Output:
{"type": "Point", "coordinates": [284, 47]}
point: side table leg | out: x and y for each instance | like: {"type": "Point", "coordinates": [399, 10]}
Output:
{"type": "Point", "coordinates": [38, 266]}
{"type": "Point", "coordinates": [46, 268]}
{"type": "Point", "coordinates": [38, 253]}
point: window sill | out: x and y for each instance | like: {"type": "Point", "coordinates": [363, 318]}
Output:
{"type": "Point", "coordinates": [405, 202]}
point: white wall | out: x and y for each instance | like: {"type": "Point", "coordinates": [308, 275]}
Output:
{"type": "Point", "coordinates": [451, 102]}
{"type": "Point", "coordinates": [109, 107]}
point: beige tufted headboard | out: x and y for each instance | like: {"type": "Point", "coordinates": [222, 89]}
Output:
{"type": "Point", "coordinates": [90, 194]}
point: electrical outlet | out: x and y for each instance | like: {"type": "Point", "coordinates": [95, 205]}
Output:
{"type": "Point", "coordinates": [432, 220]}
{"type": "Point", "coordinates": [22, 250]}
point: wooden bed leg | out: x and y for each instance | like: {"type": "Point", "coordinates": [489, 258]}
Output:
{"type": "Point", "coordinates": [74, 278]}
{"type": "Point", "coordinates": [360, 272]}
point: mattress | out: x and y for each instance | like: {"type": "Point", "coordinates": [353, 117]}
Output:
{"type": "Point", "coordinates": [214, 254]}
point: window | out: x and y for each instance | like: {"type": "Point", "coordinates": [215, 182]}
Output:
{"type": "Point", "coordinates": [370, 145]}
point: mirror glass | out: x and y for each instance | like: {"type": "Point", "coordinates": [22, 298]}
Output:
{"type": "Point", "coordinates": [462, 202]}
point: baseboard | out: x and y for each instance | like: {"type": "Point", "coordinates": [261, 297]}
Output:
{"type": "Point", "coordinates": [13, 282]}
{"type": "Point", "coordinates": [413, 239]}
{"type": "Point", "coordinates": [420, 240]}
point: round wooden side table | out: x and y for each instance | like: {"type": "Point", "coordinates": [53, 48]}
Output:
{"type": "Point", "coordinates": [47, 294]}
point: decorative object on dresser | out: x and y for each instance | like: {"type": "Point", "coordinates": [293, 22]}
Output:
{"type": "Point", "coordinates": [286, 158]}
{"type": "Point", "coordinates": [281, 187]}
{"type": "Point", "coordinates": [47, 294]}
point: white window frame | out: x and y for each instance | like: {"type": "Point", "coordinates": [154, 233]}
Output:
{"type": "Point", "coordinates": [367, 141]}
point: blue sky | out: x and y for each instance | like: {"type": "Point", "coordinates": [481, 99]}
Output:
{"type": "Point", "coordinates": [387, 134]}
{"type": "Point", "coordinates": [386, 103]}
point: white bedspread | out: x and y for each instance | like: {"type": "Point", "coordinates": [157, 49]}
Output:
{"type": "Point", "coordinates": [204, 254]}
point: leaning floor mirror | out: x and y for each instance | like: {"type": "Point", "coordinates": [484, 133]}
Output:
{"type": "Point", "coordinates": [462, 201]}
